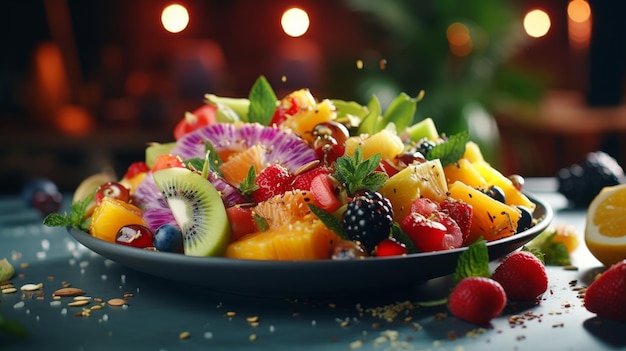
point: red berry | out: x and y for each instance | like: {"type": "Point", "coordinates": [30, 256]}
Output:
{"type": "Point", "coordinates": [135, 235]}
{"type": "Point", "coordinates": [453, 238]}
{"type": "Point", "coordinates": [323, 188]}
{"type": "Point", "coordinates": [287, 108]}
{"type": "Point", "coordinates": [606, 296]}
{"type": "Point", "coordinates": [426, 234]}
{"type": "Point", "coordinates": [461, 212]}
{"type": "Point", "coordinates": [390, 247]}
{"type": "Point", "coordinates": [522, 275]}
{"type": "Point", "coordinates": [303, 180]}
{"type": "Point", "coordinates": [273, 180]}
{"type": "Point", "coordinates": [424, 206]}
{"type": "Point", "coordinates": [112, 189]}
{"type": "Point", "coordinates": [136, 168]}
{"type": "Point", "coordinates": [477, 300]}
{"type": "Point", "coordinates": [203, 116]}
{"type": "Point", "coordinates": [167, 161]}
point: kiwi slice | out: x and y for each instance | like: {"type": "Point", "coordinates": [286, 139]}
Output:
{"type": "Point", "coordinates": [198, 210]}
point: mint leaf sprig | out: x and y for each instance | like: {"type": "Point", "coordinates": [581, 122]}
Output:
{"type": "Point", "coordinates": [355, 173]}
{"type": "Point", "coordinates": [451, 150]}
{"type": "Point", "coordinates": [75, 217]}
{"type": "Point", "coordinates": [473, 262]}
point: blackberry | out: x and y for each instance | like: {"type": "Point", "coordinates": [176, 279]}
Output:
{"type": "Point", "coordinates": [425, 146]}
{"type": "Point", "coordinates": [581, 182]}
{"type": "Point", "coordinates": [368, 219]}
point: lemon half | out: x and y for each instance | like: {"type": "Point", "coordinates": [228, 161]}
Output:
{"type": "Point", "coordinates": [605, 227]}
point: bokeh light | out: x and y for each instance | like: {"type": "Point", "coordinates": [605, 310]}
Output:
{"type": "Point", "coordinates": [175, 18]}
{"type": "Point", "coordinates": [579, 11]}
{"type": "Point", "coordinates": [459, 39]}
{"type": "Point", "coordinates": [295, 22]}
{"type": "Point", "coordinates": [537, 23]}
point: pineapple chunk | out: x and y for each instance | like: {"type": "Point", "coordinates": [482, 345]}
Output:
{"type": "Point", "coordinates": [419, 179]}
{"type": "Point", "coordinates": [491, 218]}
{"type": "Point", "coordinates": [300, 240]}
{"type": "Point", "coordinates": [385, 142]}
{"type": "Point", "coordinates": [472, 152]}
{"type": "Point", "coordinates": [513, 197]}
{"type": "Point", "coordinates": [112, 214]}
{"type": "Point", "coordinates": [464, 171]}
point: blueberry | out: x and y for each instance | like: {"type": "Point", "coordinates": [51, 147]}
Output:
{"type": "Point", "coordinates": [43, 195]}
{"type": "Point", "coordinates": [496, 193]}
{"type": "Point", "coordinates": [526, 220]}
{"type": "Point", "coordinates": [168, 238]}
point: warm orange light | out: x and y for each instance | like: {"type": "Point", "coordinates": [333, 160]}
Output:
{"type": "Point", "coordinates": [537, 23]}
{"type": "Point", "coordinates": [459, 39]}
{"type": "Point", "coordinates": [579, 11]}
{"type": "Point", "coordinates": [175, 18]}
{"type": "Point", "coordinates": [579, 24]}
{"type": "Point", "coordinates": [295, 22]}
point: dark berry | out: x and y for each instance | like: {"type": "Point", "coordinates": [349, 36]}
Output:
{"type": "Point", "coordinates": [581, 182]}
{"type": "Point", "coordinates": [425, 146]}
{"type": "Point", "coordinates": [347, 250]}
{"type": "Point", "coordinates": [43, 195]}
{"type": "Point", "coordinates": [168, 238]}
{"type": "Point", "coordinates": [368, 219]}
{"type": "Point", "coordinates": [496, 193]}
{"type": "Point", "coordinates": [526, 220]}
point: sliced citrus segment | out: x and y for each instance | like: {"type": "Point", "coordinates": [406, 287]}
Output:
{"type": "Point", "coordinates": [236, 168]}
{"type": "Point", "coordinates": [604, 228]}
{"type": "Point", "coordinates": [286, 208]}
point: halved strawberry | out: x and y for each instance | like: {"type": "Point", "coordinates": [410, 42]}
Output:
{"type": "Point", "coordinates": [426, 234]}
{"type": "Point", "coordinates": [323, 188]}
{"type": "Point", "coordinates": [241, 221]}
{"type": "Point", "coordinates": [390, 247]}
{"type": "Point", "coordinates": [203, 116]}
{"type": "Point", "coordinates": [461, 212]}
{"type": "Point", "coordinates": [302, 181]}
{"type": "Point", "coordinates": [136, 168]}
{"type": "Point", "coordinates": [453, 237]}
{"type": "Point", "coordinates": [424, 206]}
{"type": "Point", "coordinates": [273, 180]}
{"type": "Point", "coordinates": [167, 161]}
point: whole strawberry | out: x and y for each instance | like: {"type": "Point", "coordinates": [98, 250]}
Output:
{"type": "Point", "coordinates": [606, 296]}
{"type": "Point", "coordinates": [272, 180]}
{"type": "Point", "coordinates": [522, 275]}
{"type": "Point", "coordinates": [477, 300]}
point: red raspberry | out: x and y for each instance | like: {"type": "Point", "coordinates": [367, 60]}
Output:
{"type": "Point", "coordinates": [606, 296]}
{"type": "Point", "coordinates": [522, 275]}
{"type": "Point", "coordinates": [477, 300]}
{"type": "Point", "coordinates": [461, 212]}
{"type": "Point", "coordinates": [273, 180]}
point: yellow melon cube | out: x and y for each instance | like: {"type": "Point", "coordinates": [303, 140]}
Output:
{"type": "Point", "coordinates": [463, 170]}
{"type": "Point", "coordinates": [112, 214]}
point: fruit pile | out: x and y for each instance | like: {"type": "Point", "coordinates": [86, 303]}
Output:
{"type": "Point", "coordinates": [299, 179]}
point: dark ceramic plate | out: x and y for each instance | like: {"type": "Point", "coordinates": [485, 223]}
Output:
{"type": "Point", "coordinates": [302, 278]}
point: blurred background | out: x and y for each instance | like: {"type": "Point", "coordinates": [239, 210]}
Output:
{"type": "Point", "coordinates": [84, 85]}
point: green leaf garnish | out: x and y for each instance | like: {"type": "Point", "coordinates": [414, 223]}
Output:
{"type": "Point", "coordinates": [12, 327]}
{"type": "Point", "coordinates": [400, 112]}
{"type": "Point", "coordinates": [356, 174]}
{"type": "Point", "coordinates": [248, 185]}
{"type": "Point", "coordinates": [74, 219]}
{"type": "Point", "coordinates": [369, 123]}
{"type": "Point", "coordinates": [552, 253]}
{"type": "Point", "coordinates": [262, 102]}
{"type": "Point", "coordinates": [329, 221]}
{"type": "Point", "coordinates": [260, 222]}
{"type": "Point", "coordinates": [451, 150]}
{"type": "Point", "coordinates": [473, 262]}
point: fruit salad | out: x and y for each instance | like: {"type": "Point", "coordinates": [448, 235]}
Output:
{"type": "Point", "coordinates": [299, 178]}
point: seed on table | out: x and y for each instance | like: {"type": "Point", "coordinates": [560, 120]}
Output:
{"type": "Point", "coordinates": [69, 292]}
{"type": "Point", "coordinates": [77, 303]}
{"type": "Point", "coordinates": [9, 290]}
{"type": "Point", "coordinates": [31, 287]}
{"type": "Point", "coordinates": [116, 302]}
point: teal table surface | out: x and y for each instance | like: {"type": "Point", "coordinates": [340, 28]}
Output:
{"type": "Point", "coordinates": [163, 315]}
